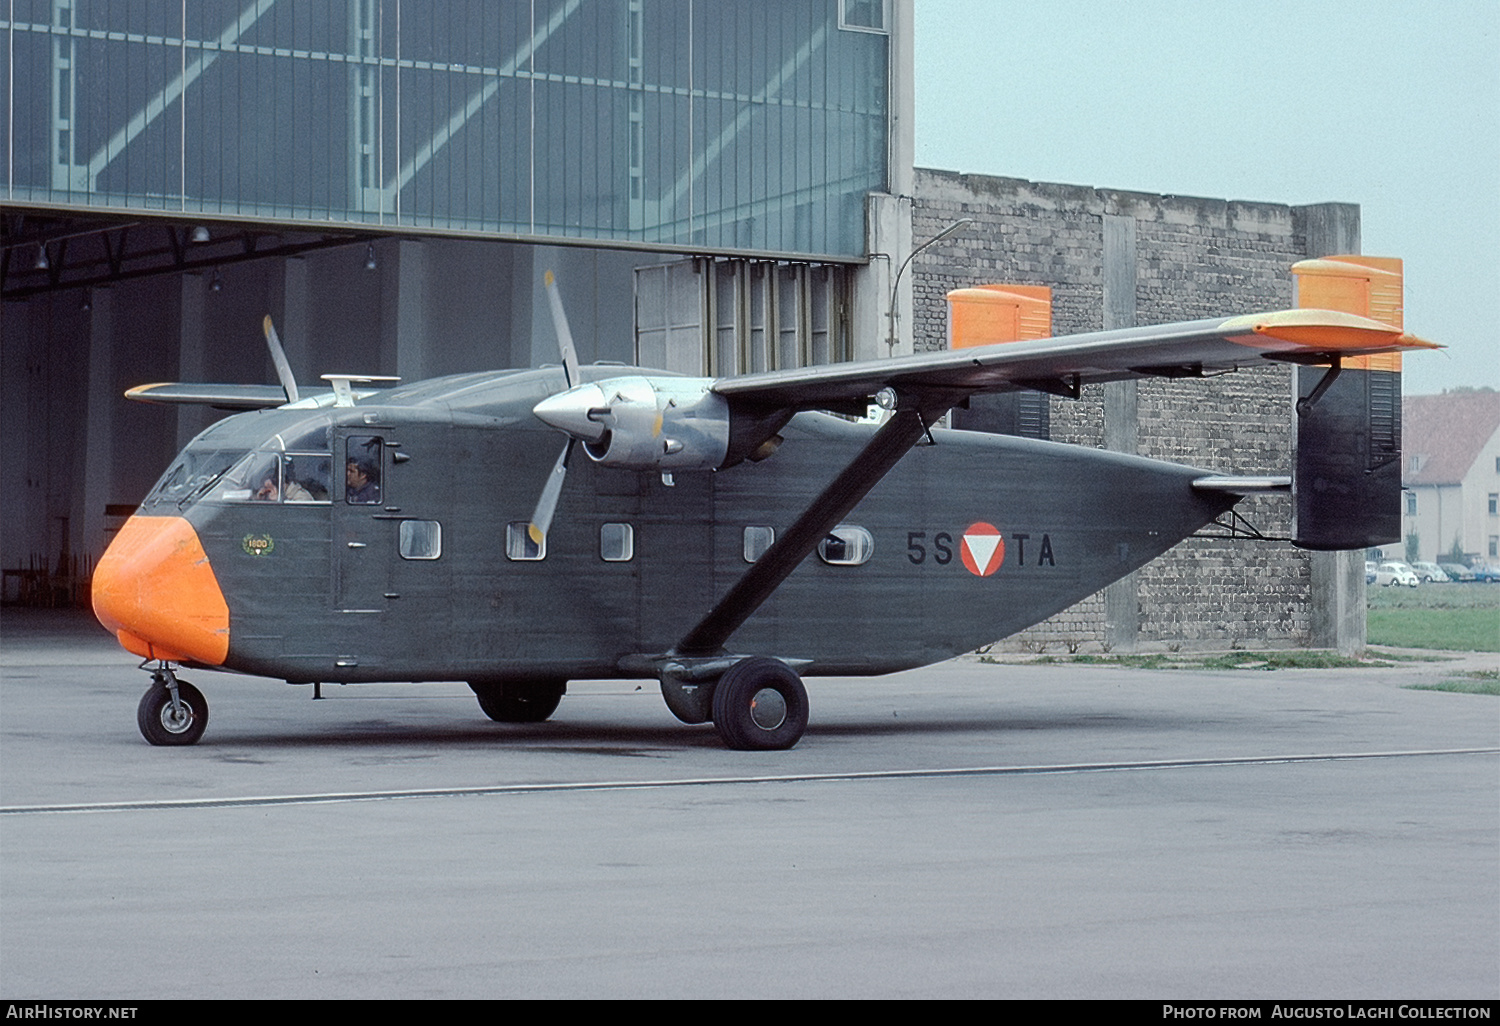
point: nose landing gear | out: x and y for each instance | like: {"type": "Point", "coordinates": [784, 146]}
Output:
{"type": "Point", "coordinates": [172, 711]}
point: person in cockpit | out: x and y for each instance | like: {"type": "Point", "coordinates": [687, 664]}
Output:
{"type": "Point", "coordinates": [361, 482]}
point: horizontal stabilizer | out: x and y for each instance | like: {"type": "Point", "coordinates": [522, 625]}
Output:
{"type": "Point", "coordinates": [225, 397]}
{"type": "Point", "coordinates": [1243, 485]}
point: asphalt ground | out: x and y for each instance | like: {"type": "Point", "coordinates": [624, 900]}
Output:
{"type": "Point", "coordinates": [966, 830]}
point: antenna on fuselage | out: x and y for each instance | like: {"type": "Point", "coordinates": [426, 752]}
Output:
{"type": "Point", "coordinates": [278, 357]}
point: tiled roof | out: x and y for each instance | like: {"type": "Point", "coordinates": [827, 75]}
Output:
{"type": "Point", "coordinates": [1443, 434]}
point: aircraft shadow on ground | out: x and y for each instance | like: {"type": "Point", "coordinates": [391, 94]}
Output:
{"type": "Point", "coordinates": [660, 739]}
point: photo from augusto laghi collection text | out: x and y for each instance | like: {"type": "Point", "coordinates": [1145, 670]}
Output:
{"type": "Point", "coordinates": [1330, 1010]}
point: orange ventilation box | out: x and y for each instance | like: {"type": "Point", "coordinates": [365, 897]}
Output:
{"type": "Point", "coordinates": [986, 314]}
{"type": "Point", "coordinates": [1369, 286]}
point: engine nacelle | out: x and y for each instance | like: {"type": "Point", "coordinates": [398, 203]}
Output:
{"type": "Point", "coordinates": [640, 423]}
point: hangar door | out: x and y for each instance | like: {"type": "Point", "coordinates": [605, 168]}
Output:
{"type": "Point", "coordinates": [718, 318]}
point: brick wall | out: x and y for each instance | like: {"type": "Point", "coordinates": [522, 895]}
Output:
{"type": "Point", "coordinates": [1193, 258]}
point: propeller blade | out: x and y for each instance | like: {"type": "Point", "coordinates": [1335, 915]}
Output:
{"type": "Point", "coordinates": [278, 357]}
{"type": "Point", "coordinates": [564, 336]}
{"type": "Point", "coordinates": [541, 520]}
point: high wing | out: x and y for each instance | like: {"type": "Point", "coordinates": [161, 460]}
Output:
{"type": "Point", "coordinates": [225, 397]}
{"type": "Point", "coordinates": [1064, 363]}
{"type": "Point", "coordinates": [926, 386]}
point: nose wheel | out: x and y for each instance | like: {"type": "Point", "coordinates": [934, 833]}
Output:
{"type": "Point", "coordinates": [172, 711]}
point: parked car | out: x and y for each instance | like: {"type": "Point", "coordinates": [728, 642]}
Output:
{"type": "Point", "coordinates": [1456, 572]}
{"type": "Point", "coordinates": [1390, 574]}
{"type": "Point", "coordinates": [1430, 572]}
{"type": "Point", "coordinates": [1369, 571]}
{"type": "Point", "coordinates": [1487, 574]}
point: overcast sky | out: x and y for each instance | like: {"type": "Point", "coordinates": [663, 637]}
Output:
{"type": "Point", "coordinates": [1390, 104]}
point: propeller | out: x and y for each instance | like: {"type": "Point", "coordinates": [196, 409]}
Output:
{"type": "Point", "coordinates": [541, 517]}
{"type": "Point", "coordinates": [278, 357]}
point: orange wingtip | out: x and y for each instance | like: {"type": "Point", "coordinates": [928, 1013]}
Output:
{"type": "Point", "coordinates": [1330, 330]}
{"type": "Point", "coordinates": [138, 393]}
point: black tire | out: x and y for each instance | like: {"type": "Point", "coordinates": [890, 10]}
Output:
{"type": "Point", "coordinates": [760, 705]}
{"type": "Point", "coordinates": [161, 725]}
{"type": "Point", "coordinates": [514, 702]}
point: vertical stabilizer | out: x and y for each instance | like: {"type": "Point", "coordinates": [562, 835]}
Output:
{"type": "Point", "coordinates": [1347, 483]}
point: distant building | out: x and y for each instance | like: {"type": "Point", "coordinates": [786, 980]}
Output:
{"type": "Point", "coordinates": [1452, 478]}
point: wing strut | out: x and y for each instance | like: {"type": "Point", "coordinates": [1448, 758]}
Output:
{"type": "Point", "coordinates": [894, 439]}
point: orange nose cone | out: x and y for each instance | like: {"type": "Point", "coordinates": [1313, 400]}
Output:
{"type": "Point", "coordinates": [155, 590]}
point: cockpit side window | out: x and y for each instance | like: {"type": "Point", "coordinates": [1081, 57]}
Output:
{"type": "Point", "coordinates": [255, 478]}
{"type": "Point", "coordinates": [306, 477]}
{"type": "Point", "coordinates": [362, 463]}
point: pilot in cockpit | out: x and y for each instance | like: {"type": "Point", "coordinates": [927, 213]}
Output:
{"type": "Point", "coordinates": [294, 492]}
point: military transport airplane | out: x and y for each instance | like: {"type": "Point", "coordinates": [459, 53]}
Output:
{"type": "Point", "coordinates": [442, 530]}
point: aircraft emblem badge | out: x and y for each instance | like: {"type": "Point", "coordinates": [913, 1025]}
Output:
{"type": "Point", "coordinates": [983, 549]}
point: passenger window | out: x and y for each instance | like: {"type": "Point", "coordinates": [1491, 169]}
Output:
{"type": "Point", "coordinates": [421, 539]}
{"type": "Point", "coordinates": [846, 545]}
{"type": "Point", "coordinates": [362, 470]}
{"type": "Point", "coordinates": [756, 541]}
{"type": "Point", "coordinates": [518, 543]}
{"type": "Point", "coordinates": [616, 543]}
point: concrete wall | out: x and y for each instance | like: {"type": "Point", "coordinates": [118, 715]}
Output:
{"type": "Point", "coordinates": [75, 446]}
{"type": "Point", "coordinates": [1116, 258]}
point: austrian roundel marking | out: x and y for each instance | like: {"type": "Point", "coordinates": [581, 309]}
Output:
{"type": "Point", "coordinates": [982, 549]}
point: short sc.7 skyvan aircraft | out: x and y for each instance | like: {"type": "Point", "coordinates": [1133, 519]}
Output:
{"type": "Point", "coordinates": [443, 530]}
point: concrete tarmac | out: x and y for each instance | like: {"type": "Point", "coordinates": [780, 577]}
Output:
{"type": "Point", "coordinates": [391, 842]}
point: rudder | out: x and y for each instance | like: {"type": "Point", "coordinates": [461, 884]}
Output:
{"type": "Point", "coordinates": [1347, 481]}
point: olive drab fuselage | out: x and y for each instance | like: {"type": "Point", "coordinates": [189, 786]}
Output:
{"type": "Point", "coordinates": [431, 577]}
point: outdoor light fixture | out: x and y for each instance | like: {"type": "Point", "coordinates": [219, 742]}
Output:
{"type": "Point", "coordinates": [961, 223]}
{"type": "Point", "coordinates": [41, 257]}
{"type": "Point", "coordinates": [217, 283]}
{"type": "Point", "coordinates": [370, 257]}
{"type": "Point", "coordinates": [200, 234]}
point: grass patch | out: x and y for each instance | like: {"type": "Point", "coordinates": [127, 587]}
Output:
{"type": "Point", "coordinates": [1462, 630]}
{"type": "Point", "coordinates": [1462, 617]}
{"type": "Point", "coordinates": [1474, 682]}
{"type": "Point", "coordinates": [1410, 657]}
{"type": "Point", "coordinates": [1293, 659]}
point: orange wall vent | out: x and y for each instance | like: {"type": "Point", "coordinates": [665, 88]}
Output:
{"type": "Point", "coordinates": [985, 314]}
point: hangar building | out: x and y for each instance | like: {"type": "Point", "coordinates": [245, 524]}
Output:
{"type": "Point", "coordinates": [720, 188]}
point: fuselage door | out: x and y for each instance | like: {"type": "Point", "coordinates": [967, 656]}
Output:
{"type": "Point", "coordinates": [364, 534]}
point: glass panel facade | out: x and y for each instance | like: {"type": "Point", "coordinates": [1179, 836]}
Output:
{"type": "Point", "coordinates": [674, 124]}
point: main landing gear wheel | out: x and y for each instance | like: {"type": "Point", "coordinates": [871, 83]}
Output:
{"type": "Point", "coordinates": [162, 723]}
{"type": "Point", "coordinates": [760, 705]}
{"type": "Point", "coordinates": [512, 702]}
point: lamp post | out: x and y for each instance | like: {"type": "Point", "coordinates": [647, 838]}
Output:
{"type": "Point", "coordinates": [958, 225]}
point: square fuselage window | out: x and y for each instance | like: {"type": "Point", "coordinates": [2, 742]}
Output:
{"type": "Point", "coordinates": [520, 546]}
{"type": "Point", "coordinates": [421, 539]}
{"type": "Point", "coordinates": [616, 543]}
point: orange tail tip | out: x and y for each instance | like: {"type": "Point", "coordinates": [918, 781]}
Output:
{"type": "Point", "coordinates": [156, 592]}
